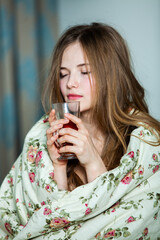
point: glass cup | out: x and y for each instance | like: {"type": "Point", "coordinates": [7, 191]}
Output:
{"type": "Point", "coordinates": [60, 110]}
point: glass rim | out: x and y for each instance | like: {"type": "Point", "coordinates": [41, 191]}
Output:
{"type": "Point", "coordinates": [65, 102]}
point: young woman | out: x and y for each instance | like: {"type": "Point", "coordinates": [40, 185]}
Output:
{"type": "Point", "coordinates": [93, 66]}
{"type": "Point", "coordinates": [112, 189]}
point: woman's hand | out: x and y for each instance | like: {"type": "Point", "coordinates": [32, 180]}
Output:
{"type": "Point", "coordinates": [60, 166]}
{"type": "Point", "coordinates": [52, 136]}
{"type": "Point", "coordinates": [83, 147]}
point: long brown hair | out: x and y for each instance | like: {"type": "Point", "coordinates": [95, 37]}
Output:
{"type": "Point", "coordinates": [116, 88]}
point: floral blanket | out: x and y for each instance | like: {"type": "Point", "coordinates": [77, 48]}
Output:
{"type": "Point", "coordinates": [123, 203]}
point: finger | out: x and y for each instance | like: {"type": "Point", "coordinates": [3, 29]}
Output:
{"type": "Point", "coordinates": [68, 139]}
{"type": "Point", "coordinates": [78, 151]}
{"type": "Point", "coordinates": [59, 121]}
{"type": "Point", "coordinates": [75, 120]}
{"type": "Point", "coordinates": [50, 131]}
{"type": "Point", "coordinates": [66, 149]}
{"type": "Point", "coordinates": [69, 131]}
{"type": "Point", "coordinates": [54, 128]}
{"type": "Point", "coordinates": [52, 140]}
{"type": "Point", "coordinates": [52, 116]}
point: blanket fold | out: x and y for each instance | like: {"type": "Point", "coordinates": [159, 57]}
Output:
{"type": "Point", "coordinates": [112, 206]}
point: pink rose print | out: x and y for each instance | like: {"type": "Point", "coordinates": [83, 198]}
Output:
{"type": "Point", "coordinates": [155, 157]}
{"type": "Point", "coordinates": [24, 225]}
{"type": "Point", "coordinates": [67, 227]}
{"type": "Point", "coordinates": [110, 234]}
{"type": "Point", "coordinates": [88, 211]}
{"type": "Point", "coordinates": [141, 133]}
{"type": "Point", "coordinates": [145, 232]}
{"type": "Point", "coordinates": [131, 154]}
{"type": "Point", "coordinates": [10, 181]}
{"type": "Point", "coordinates": [32, 177]}
{"type": "Point", "coordinates": [127, 179]}
{"type": "Point", "coordinates": [38, 157]}
{"type": "Point", "coordinates": [31, 154]}
{"type": "Point", "coordinates": [51, 175]}
{"type": "Point", "coordinates": [48, 188]}
{"type": "Point", "coordinates": [17, 200]}
{"type": "Point", "coordinates": [8, 228]}
{"type": "Point", "coordinates": [43, 203]}
{"type": "Point", "coordinates": [58, 222]}
{"type": "Point", "coordinates": [45, 120]}
{"type": "Point", "coordinates": [141, 170]}
{"type": "Point", "coordinates": [47, 211]}
{"type": "Point", "coordinates": [155, 169]}
{"type": "Point", "coordinates": [29, 205]}
{"type": "Point", "coordinates": [130, 219]}
{"type": "Point", "coordinates": [155, 216]}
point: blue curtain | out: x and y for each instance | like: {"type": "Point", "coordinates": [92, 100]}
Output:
{"type": "Point", "coordinates": [28, 31]}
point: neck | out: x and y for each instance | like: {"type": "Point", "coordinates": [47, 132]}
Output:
{"type": "Point", "coordinates": [92, 128]}
{"type": "Point", "coordinates": [86, 119]}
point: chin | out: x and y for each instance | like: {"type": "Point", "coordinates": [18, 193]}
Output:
{"type": "Point", "coordinates": [84, 111]}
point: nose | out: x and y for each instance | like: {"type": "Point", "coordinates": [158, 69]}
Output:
{"type": "Point", "coordinates": [73, 81]}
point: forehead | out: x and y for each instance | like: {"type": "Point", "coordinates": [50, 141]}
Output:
{"type": "Point", "coordinates": [73, 54]}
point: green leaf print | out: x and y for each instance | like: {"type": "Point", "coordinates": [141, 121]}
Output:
{"type": "Point", "coordinates": [111, 176]}
{"type": "Point", "coordinates": [109, 186]}
{"type": "Point", "coordinates": [126, 234]}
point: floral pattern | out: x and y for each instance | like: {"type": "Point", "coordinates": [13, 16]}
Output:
{"type": "Point", "coordinates": [127, 179]}
{"type": "Point", "coordinates": [123, 203]}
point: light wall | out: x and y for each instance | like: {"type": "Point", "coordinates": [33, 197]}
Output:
{"type": "Point", "coordinates": [139, 23]}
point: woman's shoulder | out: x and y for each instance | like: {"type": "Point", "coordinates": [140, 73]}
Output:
{"type": "Point", "coordinates": [38, 131]}
{"type": "Point", "coordinates": [146, 133]}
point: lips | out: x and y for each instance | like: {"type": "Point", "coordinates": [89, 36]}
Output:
{"type": "Point", "coordinates": [74, 96]}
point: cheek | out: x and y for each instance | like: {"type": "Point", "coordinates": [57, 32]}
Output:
{"type": "Point", "coordinates": [89, 86]}
{"type": "Point", "coordinates": [62, 87]}
{"type": "Point", "coordinates": [88, 89]}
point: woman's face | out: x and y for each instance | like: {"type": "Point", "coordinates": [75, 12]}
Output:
{"type": "Point", "coordinates": [74, 77]}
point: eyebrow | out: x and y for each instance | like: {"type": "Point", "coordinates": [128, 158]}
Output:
{"type": "Point", "coordinates": [79, 65]}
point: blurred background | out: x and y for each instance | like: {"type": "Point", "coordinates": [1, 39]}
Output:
{"type": "Point", "coordinates": [29, 30]}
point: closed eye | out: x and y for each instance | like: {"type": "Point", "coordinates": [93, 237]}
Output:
{"type": "Point", "coordinates": [85, 73]}
{"type": "Point", "coordinates": [62, 75]}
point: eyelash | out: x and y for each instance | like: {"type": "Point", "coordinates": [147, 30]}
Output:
{"type": "Point", "coordinates": [85, 73]}
{"type": "Point", "coordinates": [64, 75]}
